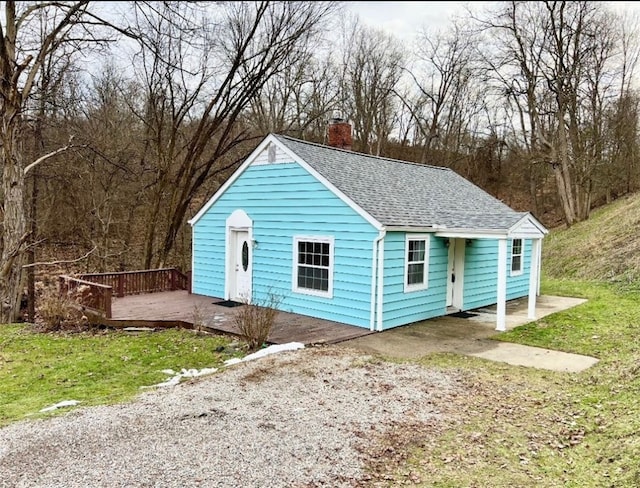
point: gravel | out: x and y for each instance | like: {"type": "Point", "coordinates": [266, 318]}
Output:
{"type": "Point", "coordinates": [300, 418]}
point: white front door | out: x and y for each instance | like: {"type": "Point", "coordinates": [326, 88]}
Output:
{"type": "Point", "coordinates": [240, 266]}
{"type": "Point", "coordinates": [455, 275]}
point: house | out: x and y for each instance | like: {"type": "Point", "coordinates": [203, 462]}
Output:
{"type": "Point", "coordinates": [359, 239]}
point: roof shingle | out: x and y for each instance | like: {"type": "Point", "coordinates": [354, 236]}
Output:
{"type": "Point", "coordinates": [403, 194]}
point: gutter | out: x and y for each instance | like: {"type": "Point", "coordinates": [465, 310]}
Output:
{"type": "Point", "coordinates": [375, 280]}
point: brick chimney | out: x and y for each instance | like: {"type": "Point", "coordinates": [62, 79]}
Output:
{"type": "Point", "coordinates": [339, 133]}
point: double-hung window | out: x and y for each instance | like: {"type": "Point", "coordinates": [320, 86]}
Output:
{"type": "Point", "coordinates": [516, 257]}
{"type": "Point", "coordinates": [313, 265]}
{"type": "Point", "coordinates": [416, 269]}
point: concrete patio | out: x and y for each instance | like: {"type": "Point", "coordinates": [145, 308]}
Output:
{"type": "Point", "coordinates": [471, 336]}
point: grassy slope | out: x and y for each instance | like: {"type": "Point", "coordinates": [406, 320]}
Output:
{"type": "Point", "coordinates": [526, 427]}
{"type": "Point", "coordinates": [605, 247]}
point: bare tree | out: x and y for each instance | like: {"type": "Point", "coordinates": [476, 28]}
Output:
{"type": "Point", "coordinates": [371, 69]}
{"type": "Point", "coordinates": [201, 69]}
{"type": "Point", "coordinates": [297, 101]}
{"type": "Point", "coordinates": [442, 79]}
{"type": "Point", "coordinates": [555, 63]}
{"type": "Point", "coordinates": [23, 52]}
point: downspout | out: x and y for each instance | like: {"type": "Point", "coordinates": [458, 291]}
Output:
{"type": "Point", "coordinates": [380, 269]}
{"type": "Point", "coordinates": [374, 276]}
{"type": "Point", "coordinates": [193, 257]}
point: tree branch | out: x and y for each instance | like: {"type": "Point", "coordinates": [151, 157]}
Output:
{"type": "Point", "coordinates": [41, 159]}
{"type": "Point", "coordinates": [53, 263]}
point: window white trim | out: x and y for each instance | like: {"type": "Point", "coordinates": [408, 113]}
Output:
{"type": "Point", "coordinates": [517, 271]}
{"type": "Point", "coordinates": [425, 276]}
{"type": "Point", "coordinates": [294, 275]}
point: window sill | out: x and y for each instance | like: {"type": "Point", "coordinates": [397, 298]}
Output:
{"type": "Point", "coordinates": [314, 293]}
{"type": "Point", "coordinates": [412, 288]}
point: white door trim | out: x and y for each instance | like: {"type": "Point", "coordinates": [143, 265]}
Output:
{"type": "Point", "coordinates": [455, 267]}
{"type": "Point", "coordinates": [237, 222]}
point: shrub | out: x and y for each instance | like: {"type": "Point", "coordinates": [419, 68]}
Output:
{"type": "Point", "coordinates": [57, 311]}
{"type": "Point", "coordinates": [255, 320]}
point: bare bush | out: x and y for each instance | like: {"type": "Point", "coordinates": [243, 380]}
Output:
{"type": "Point", "coordinates": [59, 311]}
{"type": "Point", "coordinates": [255, 320]}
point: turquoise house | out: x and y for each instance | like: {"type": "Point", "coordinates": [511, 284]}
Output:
{"type": "Point", "coordinates": [359, 239]}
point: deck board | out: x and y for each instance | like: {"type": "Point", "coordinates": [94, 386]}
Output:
{"type": "Point", "coordinates": [180, 306]}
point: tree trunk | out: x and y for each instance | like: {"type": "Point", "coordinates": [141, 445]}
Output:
{"type": "Point", "coordinates": [11, 276]}
{"type": "Point", "coordinates": [152, 224]}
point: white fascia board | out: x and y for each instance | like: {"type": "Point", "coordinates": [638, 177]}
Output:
{"type": "Point", "coordinates": [471, 234]}
{"type": "Point", "coordinates": [270, 138]}
{"type": "Point", "coordinates": [428, 229]}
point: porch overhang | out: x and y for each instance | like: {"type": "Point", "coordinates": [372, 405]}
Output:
{"type": "Point", "coordinates": [527, 227]}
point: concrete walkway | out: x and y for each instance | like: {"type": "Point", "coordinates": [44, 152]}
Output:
{"type": "Point", "coordinates": [471, 336]}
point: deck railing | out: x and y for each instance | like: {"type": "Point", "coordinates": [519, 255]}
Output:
{"type": "Point", "coordinates": [93, 296]}
{"type": "Point", "coordinates": [143, 281]}
{"type": "Point", "coordinates": [97, 289]}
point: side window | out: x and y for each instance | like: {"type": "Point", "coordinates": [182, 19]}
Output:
{"type": "Point", "coordinates": [416, 268]}
{"type": "Point", "coordinates": [516, 257]}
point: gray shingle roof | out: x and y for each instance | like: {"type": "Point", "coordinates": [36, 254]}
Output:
{"type": "Point", "coordinates": [402, 194]}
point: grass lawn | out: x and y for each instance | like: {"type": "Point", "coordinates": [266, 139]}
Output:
{"type": "Point", "coordinates": [521, 427]}
{"type": "Point", "coordinates": [38, 370]}
{"type": "Point", "coordinates": [512, 426]}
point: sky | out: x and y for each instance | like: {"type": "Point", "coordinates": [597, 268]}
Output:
{"type": "Point", "coordinates": [405, 19]}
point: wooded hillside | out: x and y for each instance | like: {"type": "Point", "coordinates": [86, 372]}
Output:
{"type": "Point", "coordinates": [119, 124]}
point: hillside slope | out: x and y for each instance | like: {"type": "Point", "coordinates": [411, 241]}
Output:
{"type": "Point", "coordinates": [605, 247]}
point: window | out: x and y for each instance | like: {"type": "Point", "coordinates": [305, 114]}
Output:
{"type": "Point", "coordinates": [313, 266]}
{"type": "Point", "coordinates": [516, 257]}
{"type": "Point", "coordinates": [416, 268]}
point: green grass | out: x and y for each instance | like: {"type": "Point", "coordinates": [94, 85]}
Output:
{"type": "Point", "coordinates": [603, 248]}
{"type": "Point", "coordinates": [523, 427]}
{"type": "Point", "coordinates": [38, 370]}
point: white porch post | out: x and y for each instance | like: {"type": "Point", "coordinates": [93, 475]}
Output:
{"type": "Point", "coordinates": [539, 266]}
{"type": "Point", "coordinates": [501, 323]}
{"type": "Point", "coordinates": [533, 278]}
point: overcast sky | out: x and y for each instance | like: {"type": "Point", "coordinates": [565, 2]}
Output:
{"type": "Point", "coordinates": [405, 19]}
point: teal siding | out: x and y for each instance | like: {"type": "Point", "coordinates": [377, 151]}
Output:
{"type": "Point", "coordinates": [481, 273]}
{"type": "Point", "coordinates": [403, 308]}
{"type": "Point", "coordinates": [284, 200]}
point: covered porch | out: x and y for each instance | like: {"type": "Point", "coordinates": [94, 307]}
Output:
{"type": "Point", "coordinates": [526, 228]}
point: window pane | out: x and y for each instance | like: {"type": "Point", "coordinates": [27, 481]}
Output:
{"type": "Point", "coordinates": [517, 246]}
{"type": "Point", "coordinates": [313, 265]}
{"type": "Point", "coordinates": [416, 251]}
{"type": "Point", "coordinates": [516, 263]}
{"type": "Point", "coordinates": [245, 255]}
{"type": "Point", "coordinates": [415, 274]}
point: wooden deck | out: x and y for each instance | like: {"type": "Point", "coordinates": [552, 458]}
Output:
{"type": "Point", "coordinates": [171, 308]}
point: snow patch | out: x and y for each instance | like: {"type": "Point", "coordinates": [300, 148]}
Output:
{"type": "Point", "coordinates": [65, 403]}
{"type": "Point", "coordinates": [184, 373]}
{"type": "Point", "coordinates": [276, 348]}
{"type": "Point", "coordinates": [192, 373]}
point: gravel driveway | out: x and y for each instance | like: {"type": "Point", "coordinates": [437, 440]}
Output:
{"type": "Point", "coordinates": [308, 418]}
